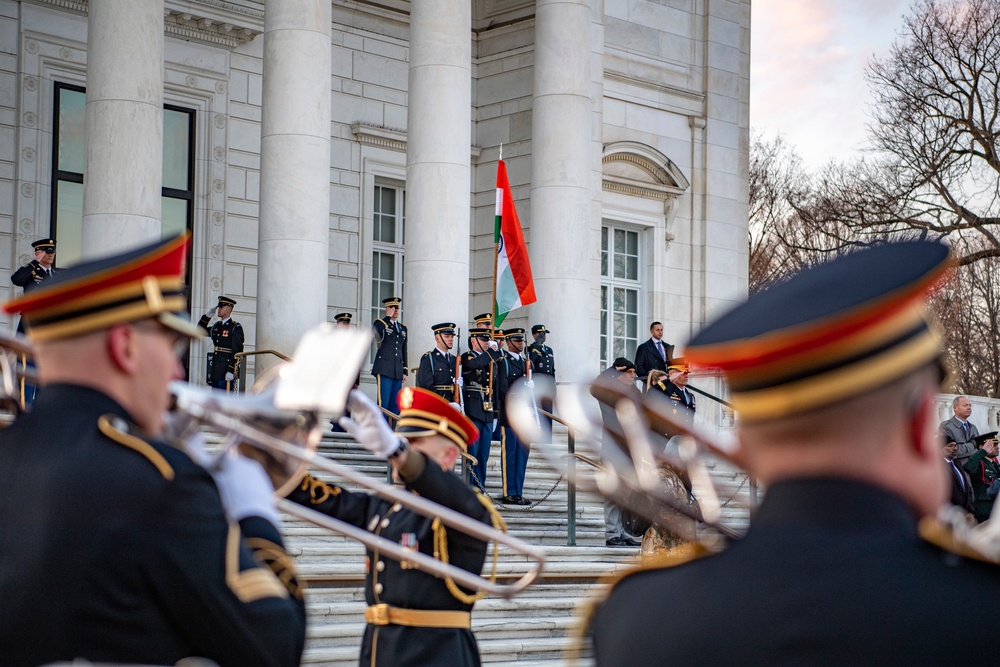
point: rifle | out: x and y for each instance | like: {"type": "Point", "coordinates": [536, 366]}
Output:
{"type": "Point", "coordinates": [458, 369]}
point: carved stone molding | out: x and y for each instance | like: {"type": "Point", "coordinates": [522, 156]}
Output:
{"type": "Point", "coordinates": [216, 22]}
{"type": "Point", "coordinates": [380, 137]}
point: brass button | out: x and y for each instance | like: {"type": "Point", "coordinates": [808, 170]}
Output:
{"type": "Point", "coordinates": [380, 566]}
{"type": "Point", "coordinates": [378, 588]}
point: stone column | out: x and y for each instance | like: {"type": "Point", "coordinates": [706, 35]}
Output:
{"type": "Point", "coordinates": [294, 228]}
{"type": "Point", "coordinates": [561, 239]}
{"type": "Point", "coordinates": [438, 173]}
{"type": "Point", "coordinates": [124, 126]}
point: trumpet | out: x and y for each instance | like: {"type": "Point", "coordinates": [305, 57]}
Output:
{"type": "Point", "coordinates": [14, 370]}
{"type": "Point", "coordinates": [632, 427]}
{"type": "Point", "coordinates": [281, 422]}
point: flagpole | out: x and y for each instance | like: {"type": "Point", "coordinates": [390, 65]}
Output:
{"type": "Point", "coordinates": [496, 259]}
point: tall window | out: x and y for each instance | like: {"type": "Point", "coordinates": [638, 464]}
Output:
{"type": "Point", "coordinates": [388, 240]}
{"type": "Point", "coordinates": [621, 290]}
{"type": "Point", "coordinates": [177, 203]}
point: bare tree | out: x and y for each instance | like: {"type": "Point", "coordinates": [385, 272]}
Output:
{"type": "Point", "coordinates": [934, 170]}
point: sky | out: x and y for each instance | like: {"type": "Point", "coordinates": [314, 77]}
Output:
{"type": "Point", "coordinates": [807, 64]}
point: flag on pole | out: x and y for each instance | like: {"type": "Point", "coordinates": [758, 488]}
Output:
{"type": "Point", "coordinates": [513, 282]}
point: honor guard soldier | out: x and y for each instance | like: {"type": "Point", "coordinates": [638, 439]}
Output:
{"type": "Point", "coordinates": [484, 382]}
{"type": "Point", "coordinates": [342, 319]}
{"type": "Point", "coordinates": [543, 361]}
{"type": "Point", "coordinates": [483, 320]}
{"type": "Point", "coordinates": [227, 335]}
{"type": "Point", "coordinates": [414, 618]}
{"type": "Point", "coordinates": [514, 460]}
{"type": "Point", "coordinates": [389, 367]}
{"type": "Point", "coordinates": [37, 271]}
{"type": "Point", "coordinates": [116, 547]}
{"type": "Point", "coordinates": [834, 373]}
{"type": "Point", "coordinates": [437, 371]}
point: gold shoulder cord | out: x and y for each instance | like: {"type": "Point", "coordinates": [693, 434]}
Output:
{"type": "Point", "coordinates": [441, 551]}
{"type": "Point", "coordinates": [672, 557]}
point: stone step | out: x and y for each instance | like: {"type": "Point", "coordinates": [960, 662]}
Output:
{"type": "Point", "coordinates": [538, 650]}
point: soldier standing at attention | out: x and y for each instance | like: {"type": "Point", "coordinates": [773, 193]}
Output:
{"type": "Point", "coordinates": [543, 361]}
{"type": "Point", "coordinates": [389, 367]}
{"type": "Point", "coordinates": [514, 458]}
{"type": "Point", "coordinates": [227, 335]}
{"type": "Point", "coordinates": [37, 271]}
{"type": "Point", "coordinates": [483, 382]}
{"type": "Point", "coordinates": [437, 367]}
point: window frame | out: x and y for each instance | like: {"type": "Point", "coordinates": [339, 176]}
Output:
{"type": "Point", "coordinates": [609, 282]}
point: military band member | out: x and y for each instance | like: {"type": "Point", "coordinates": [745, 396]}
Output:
{"type": "Point", "coordinates": [484, 382]}
{"type": "Point", "coordinates": [414, 618]}
{"type": "Point", "coordinates": [543, 362]}
{"type": "Point", "coordinates": [227, 335]}
{"type": "Point", "coordinates": [115, 546]}
{"type": "Point", "coordinates": [389, 367]}
{"type": "Point", "coordinates": [437, 367]}
{"type": "Point", "coordinates": [835, 374]}
{"type": "Point", "coordinates": [514, 459]}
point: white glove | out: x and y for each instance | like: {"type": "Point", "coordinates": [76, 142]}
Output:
{"type": "Point", "coordinates": [493, 426]}
{"type": "Point", "coordinates": [211, 313]}
{"type": "Point", "coordinates": [529, 383]}
{"type": "Point", "coordinates": [460, 381]}
{"type": "Point", "coordinates": [245, 488]}
{"type": "Point", "coordinates": [493, 345]}
{"type": "Point", "coordinates": [368, 426]}
{"type": "Point", "coordinates": [457, 407]}
{"type": "Point", "coordinates": [229, 377]}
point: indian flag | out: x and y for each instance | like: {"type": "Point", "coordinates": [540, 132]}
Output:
{"type": "Point", "coordinates": [514, 286]}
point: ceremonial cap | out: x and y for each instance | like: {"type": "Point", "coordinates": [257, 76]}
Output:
{"type": "Point", "coordinates": [827, 333]}
{"type": "Point", "coordinates": [44, 244]}
{"type": "Point", "coordinates": [982, 439]}
{"type": "Point", "coordinates": [226, 301]}
{"type": "Point", "coordinates": [481, 334]}
{"type": "Point", "coordinates": [391, 301]}
{"type": "Point", "coordinates": [514, 334]}
{"type": "Point", "coordinates": [444, 328]}
{"type": "Point", "coordinates": [422, 412]}
{"type": "Point", "coordinates": [343, 317]}
{"type": "Point", "coordinates": [539, 328]}
{"type": "Point", "coordinates": [144, 283]}
{"type": "Point", "coordinates": [678, 364]}
{"type": "Point", "coordinates": [484, 318]}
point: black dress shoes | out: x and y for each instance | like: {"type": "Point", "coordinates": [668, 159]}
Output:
{"type": "Point", "coordinates": [629, 542]}
{"type": "Point", "coordinates": [614, 542]}
{"type": "Point", "coordinates": [521, 500]}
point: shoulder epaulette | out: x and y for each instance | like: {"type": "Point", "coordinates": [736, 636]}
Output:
{"type": "Point", "coordinates": [117, 429]}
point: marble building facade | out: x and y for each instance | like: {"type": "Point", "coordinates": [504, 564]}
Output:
{"type": "Point", "coordinates": [624, 125]}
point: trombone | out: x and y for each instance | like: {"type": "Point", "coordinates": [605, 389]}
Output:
{"type": "Point", "coordinates": [289, 408]}
{"type": "Point", "coordinates": [14, 370]}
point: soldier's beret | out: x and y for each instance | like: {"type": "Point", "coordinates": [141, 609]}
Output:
{"type": "Point", "coordinates": [623, 364]}
{"type": "Point", "coordinates": [539, 328]}
{"type": "Point", "coordinates": [144, 283]}
{"type": "Point", "coordinates": [444, 328]}
{"type": "Point", "coordinates": [829, 332]}
{"type": "Point", "coordinates": [392, 301]}
{"type": "Point", "coordinates": [44, 244]}
{"type": "Point", "coordinates": [422, 412]}
{"type": "Point", "coordinates": [226, 301]}
{"type": "Point", "coordinates": [343, 317]}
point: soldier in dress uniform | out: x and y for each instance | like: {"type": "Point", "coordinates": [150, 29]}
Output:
{"type": "Point", "coordinates": [543, 361]}
{"type": "Point", "coordinates": [342, 319]}
{"type": "Point", "coordinates": [389, 367]}
{"type": "Point", "coordinates": [115, 547]}
{"type": "Point", "coordinates": [834, 374]}
{"type": "Point", "coordinates": [227, 335]}
{"type": "Point", "coordinates": [32, 275]}
{"type": "Point", "coordinates": [514, 460]}
{"type": "Point", "coordinates": [483, 382]}
{"type": "Point", "coordinates": [673, 386]}
{"type": "Point", "coordinates": [483, 320]}
{"type": "Point", "coordinates": [437, 367]}
{"type": "Point", "coordinates": [414, 618]}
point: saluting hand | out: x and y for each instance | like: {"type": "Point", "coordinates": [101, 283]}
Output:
{"type": "Point", "coordinates": [368, 426]}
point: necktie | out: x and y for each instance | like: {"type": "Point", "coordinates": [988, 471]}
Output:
{"type": "Point", "coordinates": [954, 469]}
{"type": "Point", "coordinates": [965, 427]}
{"type": "Point", "coordinates": [659, 348]}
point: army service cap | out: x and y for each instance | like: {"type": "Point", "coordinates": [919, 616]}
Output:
{"type": "Point", "coordinates": [514, 334]}
{"type": "Point", "coordinates": [48, 245]}
{"type": "Point", "coordinates": [679, 364]}
{"type": "Point", "coordinates": [484, 318]}
{"type": "Point", "coordinates": [539, 328]}
{"type": "Point", "coordinates": [392, 302]}
{"type": "Point", "coordinates": [226, 301]}
{"type": "Point", "coordinates": [982, 439]}
{"type": "Point", "coordinates": [444, 328]}
{"type": "Point", "coordinates": [343, 317]}
{"type": "Point", "coordinates": [147, 282]}
{"type": "Point", "coordinates": [827, 333]}
{"type": "Point", "coordinates": [422, 412]}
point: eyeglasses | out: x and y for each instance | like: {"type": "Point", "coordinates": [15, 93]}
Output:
{"type": "Point", "coordinates": [179, 342]}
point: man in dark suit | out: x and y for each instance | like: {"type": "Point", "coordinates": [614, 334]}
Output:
{"type": "Point", "coordinates": [115, 546]}
{"type": "Point", "coordinates": [962, 494]}
{"type": "Point", "coordinates": [960, 429]}
{"type": "Point", "coordinates": [835, 374]}
{"type": "Point", "coordinates": [389, 367]}
{"type": "Point", "coordinates": [654, 354]}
